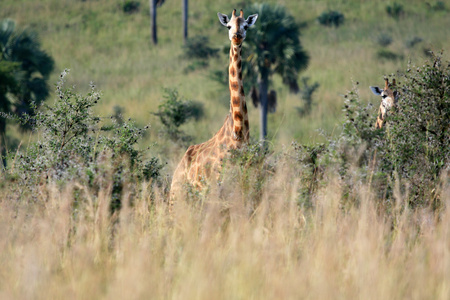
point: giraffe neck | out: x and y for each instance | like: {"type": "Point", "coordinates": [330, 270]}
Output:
{"type": "Point", "coordinates": [238, 107]}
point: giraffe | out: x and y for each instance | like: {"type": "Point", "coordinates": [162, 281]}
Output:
{"type": "Point", "coordinates": [201, 162]}
{"type": "Point", "coordinates": [388, 100]}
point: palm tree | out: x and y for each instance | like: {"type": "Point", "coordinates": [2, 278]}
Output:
{"type": "Point", "coordinates": [185, 20]}
{"type": "Point", "coordinates": [275, 48]}
{"type": "Point", "coordinates": [24, 71]}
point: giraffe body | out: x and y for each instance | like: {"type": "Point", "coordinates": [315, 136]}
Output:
{"type": "Point", "coordinates": [201, 163]}
{"type": "Point", "coordinates": [389, 99]}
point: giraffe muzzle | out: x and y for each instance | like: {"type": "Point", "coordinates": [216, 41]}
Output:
{"type": "Point", "coordinates": [237, 38]}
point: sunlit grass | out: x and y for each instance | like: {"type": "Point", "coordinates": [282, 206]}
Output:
{"type": "Point", "coordinates": [223, 247]}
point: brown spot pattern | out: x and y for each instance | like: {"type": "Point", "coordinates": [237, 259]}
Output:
{"type": "Point", "coordinates": [234, 85]}
{"type": "Point", "coordinates": [239, 64]}
{"type": "Point", "coordinates": [242, 91]}
{"type": "Point", "coordinates": [237, 116]}
{"type": "Point", "coordinates": [233, 72]}
{"type": "Point", "coordinates": [236, 101]}
{"type": "Point", "coordinates": [240, 75]}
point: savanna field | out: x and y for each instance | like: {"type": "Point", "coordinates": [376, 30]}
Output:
{"type": "Point", "coordinates": [332, 208]}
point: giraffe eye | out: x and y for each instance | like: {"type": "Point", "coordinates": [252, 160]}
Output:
{"type": "Point", "coordinates": [229, 27]}
{"type": "Point", "coordinates": [245, 27]}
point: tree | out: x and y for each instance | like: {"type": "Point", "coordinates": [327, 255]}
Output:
{"type": "Point", "coordinates": [185, 19]}
{"type": "Point", "coordinates": [275, 48]}
{"type": "Point", "coordinates": [24, 72]}
{"type": "Point", "coordinates": [153, 26]}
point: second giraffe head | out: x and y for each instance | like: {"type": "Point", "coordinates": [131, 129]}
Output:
{"type": "Point", "coordinates": [237, 25]}
{"type": "Point", "coordinates": [389, 96]}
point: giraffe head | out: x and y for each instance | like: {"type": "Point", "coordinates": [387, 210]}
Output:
{"type": "Point", "coordinates": [237, 25]}
{"type": "Point", "coordinates": [388, 96]}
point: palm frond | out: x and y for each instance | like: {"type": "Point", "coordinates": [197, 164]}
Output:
{"type": "Point", "coordinates": [274, 43]}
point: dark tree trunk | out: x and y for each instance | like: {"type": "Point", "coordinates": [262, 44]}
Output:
{"type": "Point", "coordinates": [2, 150]}
{"type": "Point", "coordinates": [185, 20]}
{"type": "Point", "coordinates": [263, 86]}
{"type": "Point", "coordinates": [3, 134]}
{"type": "Point", "coordinates": [153, 28]}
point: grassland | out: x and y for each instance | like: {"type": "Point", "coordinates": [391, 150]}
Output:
{"type": "Point", "coordinates": [61, 241]}
{"type": "Point", "coordinates": [100, 43]}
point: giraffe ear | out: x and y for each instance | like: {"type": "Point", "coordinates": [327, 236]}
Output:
{"type": "Point", "coordinates": [376, 90]}
{"type": "Point", "coordinates": [251, 20]}
{"type": "Point", "coordinates": [223, 19]}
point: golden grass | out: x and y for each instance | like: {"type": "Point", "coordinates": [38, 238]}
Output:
{"type": "Point", "coordinates": [221, 248]}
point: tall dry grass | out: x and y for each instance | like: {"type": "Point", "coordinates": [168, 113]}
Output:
{"type": "Point", "coordinates": [222, 247]}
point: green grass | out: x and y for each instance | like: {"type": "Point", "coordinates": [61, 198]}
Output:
{"type": "Point", "coordinates": [100, 43]}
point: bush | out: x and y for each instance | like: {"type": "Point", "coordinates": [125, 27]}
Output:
{"type": "Point", "coordinates": [395, 10]}
{"type": "Point", "coordinates": [313, 161]}
{"type": "Point", "coordinates": [131, 7]}
{"type": "Point", "coordinates": [388, 55]}
{"type": "Point", "coordinates": [437, 6]}
{"type": "Point", "coordinates": [174, 111]}
{"type": "Point", "coordinates": [74, 144]}
{"type": "Point", "coordinates": [250, 167]}
{"type": "Point", "coordinates": [331, 18]}
{"type": "Point", "coordinates": [198, 47]}
{"type": "Point", "coordinates": [306, 93]}
{"type": "Point", "coordinates": [414, 146]}
{"type": "Point", "coordinates": [410, 43]}
{"type": "Point", "coordinates": [418, 145]}
{"type": "Point", "coordinates": [384, 40]}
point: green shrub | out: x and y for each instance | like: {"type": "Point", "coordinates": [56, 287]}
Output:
{"type": "Point", "coordinates": [251, 167]}
{"type": "Point", "coordinates": [359, 121]}
{"type": "Point", "coordinates": [313, 161]}
{"type": "Point", "coordinates": [331, 18]}
{"type": "Point", "coordinates": [418, 137]}
{"type": "Point", "coordinates": [174, 111]}
{"type": "Point", "coordinates": [414, 145]}
{"type": "Point", "coordinates": [198, 47]}
{"type": "Point", "coordinates": [74, 144]}
{"type": "Point", "coordinates": [306, 94]}
{"type": "Point", "coordinates": [410, 43]}
{"type": "Point", "coordinates": [384, 40]}
{"type": "Point", "coordinates": [388, 55]}
{"type": "Point", "coordinates": [395, 10]}
{"type": "Point", "coordinates": [437, 6]}
{"type": "Point", "coordinates": [131, 7]}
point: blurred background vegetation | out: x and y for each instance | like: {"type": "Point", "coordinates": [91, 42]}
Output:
{"type": "Point", "coordinates": [109, 43]}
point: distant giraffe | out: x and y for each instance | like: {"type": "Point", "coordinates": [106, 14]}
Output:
{"type": "Point", "coordinates": [388, 100]}
{"type": "Point", "coordinates": [201, 162]}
